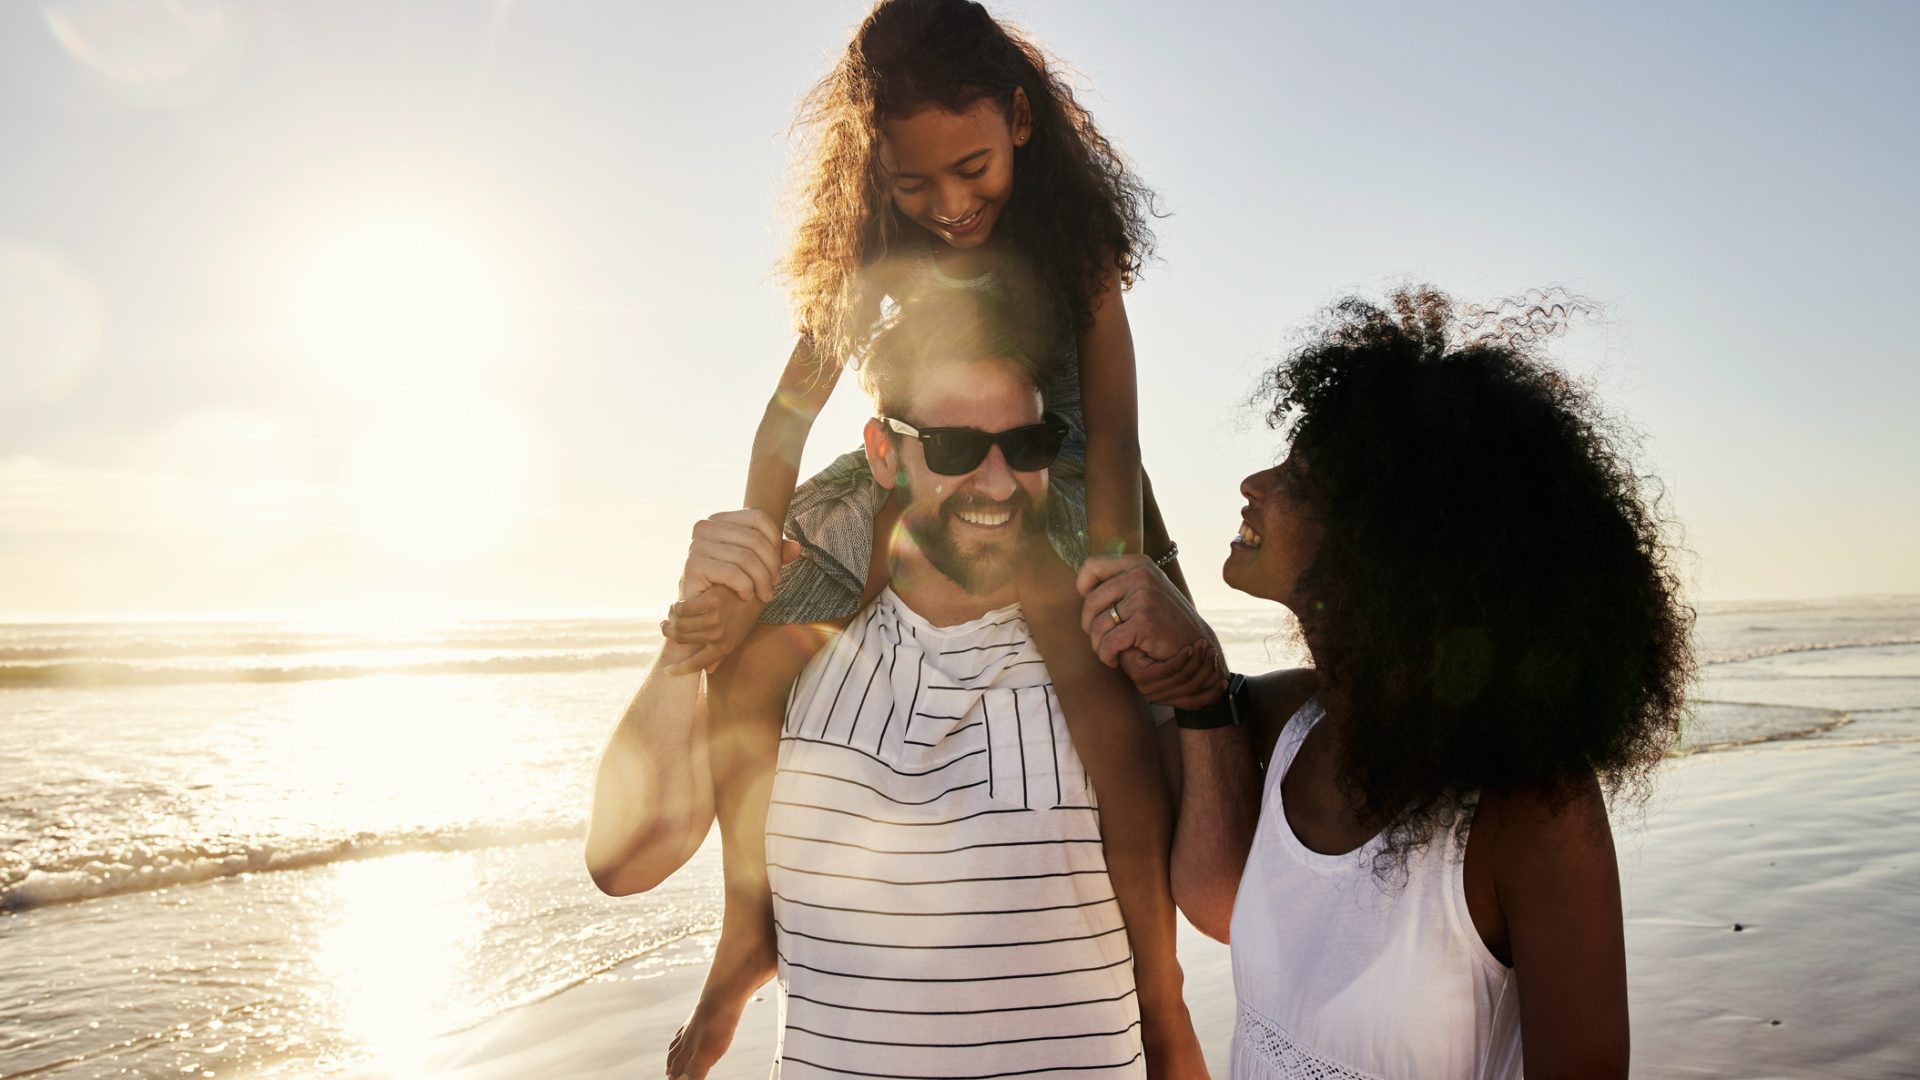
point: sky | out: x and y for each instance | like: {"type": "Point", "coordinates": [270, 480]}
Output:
{"type": "Point", "coordinates": [381, 309]}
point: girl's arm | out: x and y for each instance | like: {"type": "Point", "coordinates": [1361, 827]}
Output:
{"type": "Point", "coordinates": [774, 469]}
{"type": "Point", "coordinates": [1109, 394]}
{"type": "Point", "coordinates": [718, 620]}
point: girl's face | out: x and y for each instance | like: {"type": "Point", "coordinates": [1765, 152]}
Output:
{"type": "Point", "coordinates": [952, 172]}
{"type": "Point", "coordinates": [1279, 535]}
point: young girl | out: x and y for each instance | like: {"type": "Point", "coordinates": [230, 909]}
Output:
{"type": "Point", "coordinates": [943, 142]}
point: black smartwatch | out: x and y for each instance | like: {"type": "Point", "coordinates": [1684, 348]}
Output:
{"type": "Point", "coordinates": [1230, 711]}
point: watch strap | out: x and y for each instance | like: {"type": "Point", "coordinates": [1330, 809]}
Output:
{"type": "Point", "coordinates": [1229, 711]}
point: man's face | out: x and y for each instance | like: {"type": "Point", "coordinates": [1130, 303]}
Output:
{"type": "Point", "coordinates": [974, 528]}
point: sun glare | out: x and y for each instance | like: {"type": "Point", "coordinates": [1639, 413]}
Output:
{"type": "Point", "coordinates": [409, 321]}
{"type": "Point", "coordinates": [449, 478]}
{"type": "Point", "coordinates": [401, 305]}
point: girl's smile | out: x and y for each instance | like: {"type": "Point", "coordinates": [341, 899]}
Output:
{"type": "Point", "coordinates": [952, 172]}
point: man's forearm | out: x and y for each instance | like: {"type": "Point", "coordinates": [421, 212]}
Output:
{"type": "Point", "coordinates": [1219, 808]}
{"type": "Point", "coordinates": [653, 795]}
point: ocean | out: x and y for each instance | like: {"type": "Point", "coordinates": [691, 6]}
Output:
{"type": "Point", "coordinates": [280, 849]}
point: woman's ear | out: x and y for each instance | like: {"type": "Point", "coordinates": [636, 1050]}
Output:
{"type": "Point", "coordinates": [883, 453]}
{"type": "Point", "coordinates": [1022, 119]}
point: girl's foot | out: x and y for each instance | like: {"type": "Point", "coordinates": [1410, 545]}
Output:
{"type": "Point", "coordinates": [697, 1046]}
{"type": "Point", "coordinates": [731, 981]}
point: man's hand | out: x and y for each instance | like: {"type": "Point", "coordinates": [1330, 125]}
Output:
{"type": "Point", "coordinates": [1130, 604]}
{"type": "Point", "coordinates": [1158, 639]}
{"type": "Point", "coordinates": [733, 564]}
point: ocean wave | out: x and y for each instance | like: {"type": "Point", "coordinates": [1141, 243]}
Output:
{"type": "Point", "coordinates": [111, 647]}
{"type": "Point", "coordinates": [144, 867]}
{"type": "Point", "coordinates": [1761, 652]}
{"type": "Point", "coordinates": [91, 673]}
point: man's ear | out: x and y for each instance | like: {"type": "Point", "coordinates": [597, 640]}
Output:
{"type": "Point", "coordinates": [1022, 119]}
{"type": "Point", "coordinates": [883, 453]}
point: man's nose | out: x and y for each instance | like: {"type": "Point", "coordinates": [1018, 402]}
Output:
{"type": "Point", "coordinates": [994, 479]}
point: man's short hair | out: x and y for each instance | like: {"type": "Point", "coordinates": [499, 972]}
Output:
{"type": "Point", "coordinates": [944, 323]}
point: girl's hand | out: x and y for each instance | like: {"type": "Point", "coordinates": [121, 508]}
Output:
{"type": "Point", "coordinates": [711, 625]}
{"type": "Point", "coordinates": [1191, 680]}
{"type": "Point", "coordinates": [732, 566]}
{"type": "Point", "coordinates": [1130, 604]}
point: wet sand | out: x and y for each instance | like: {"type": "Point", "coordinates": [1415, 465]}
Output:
{"type": "Point", "coordinates": [1811, 848]}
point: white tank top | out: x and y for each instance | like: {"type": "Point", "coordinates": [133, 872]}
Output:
{"type": "Point", "coordinates": [1340, 976]}
{"type": "Point", "coordinates": [940, 894]}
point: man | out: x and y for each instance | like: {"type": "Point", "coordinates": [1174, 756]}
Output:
{"type": "Point", "coordinates": [940, 896]}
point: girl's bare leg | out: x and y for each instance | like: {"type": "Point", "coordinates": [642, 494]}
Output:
{"type": "Point", "coordinates": [747, 698]}
{"type": "Point", "coordinates": [1116, 740]}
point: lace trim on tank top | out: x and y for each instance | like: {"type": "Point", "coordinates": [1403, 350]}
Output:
{"type": "Point", "coordinates": [1265, 1052]}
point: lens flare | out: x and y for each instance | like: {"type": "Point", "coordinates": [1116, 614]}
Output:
{"type": "Point", "coordinates": [52, 322]}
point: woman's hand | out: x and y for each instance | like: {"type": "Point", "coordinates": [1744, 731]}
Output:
{"type": "Point", "coordinates": [733, 564]}
{"type": "Point", "coordinates": [1138, 621]}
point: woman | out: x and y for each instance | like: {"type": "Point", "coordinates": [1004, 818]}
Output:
{"type": "Point", "coordinates": [1423, 882]}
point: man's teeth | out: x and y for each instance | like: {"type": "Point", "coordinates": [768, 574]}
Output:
{"type": "Point", "coordinates": [988, 518]}
{"type": "Point", "coordinates": [1248, 537]}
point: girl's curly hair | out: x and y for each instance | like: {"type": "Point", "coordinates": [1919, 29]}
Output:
{"type": "Point", "coordinates": [1494, 605]}
{"type": "Point", "coordinates": [1077, 214]}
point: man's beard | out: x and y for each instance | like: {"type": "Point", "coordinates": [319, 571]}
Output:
{"type": "Point", "coordinates": [984, 569]}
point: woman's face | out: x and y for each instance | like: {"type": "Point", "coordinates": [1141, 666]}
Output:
{"type": "Point", "coordinates": [952, 172]}
{"type": "Point", "coordinates": [1279, 535]}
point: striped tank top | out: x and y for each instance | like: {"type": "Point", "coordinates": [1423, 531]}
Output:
{"type": "Point", "coordinates": [941, 901]}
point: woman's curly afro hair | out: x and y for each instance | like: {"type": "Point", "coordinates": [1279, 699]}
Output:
{"type": "Point", "coordinates": [1494, 605]}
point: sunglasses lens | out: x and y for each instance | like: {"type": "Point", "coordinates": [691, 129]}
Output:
{"type": "Point", "coordinates": [1030, 449]}
{"type": "Point", "coordinates": [956, 453]}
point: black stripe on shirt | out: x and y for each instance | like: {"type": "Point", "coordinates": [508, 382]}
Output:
{"type": "Point", "coordinates": [882, 794]}
{"type": "Point", "coordinates": [777, 895]}
{"type": "Point", "coordinates": [915, 824]}
{"type": "Point", "coordinates": [882, 761]}
{"type": "Point", "coordinates": [966, 1046]}
{"type": "Point", "coordinates": [967, 945]}
{"type": "Point", "coordinates": [856, 639]}
{"type": "Point", "coordinates": [960, 1012]}
{"type": "Point", "coordinates": [1054, 741]}
{"type": "Point", "coordinates": [937, 851]}
{"type": "Point", "coordinates": [771, 865]}
{"type": "Point", "coordinates": [790, 962]}
{"type": "Point", "coordinates": [791, 1060]}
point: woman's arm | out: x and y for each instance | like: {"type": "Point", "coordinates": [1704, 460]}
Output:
{"type": "Point", "coordinates": [1110, 397]}
{"type": "Point", "coordinates": [1557, 886]}
{"type": "Point", "coordinates": [1222, 782]}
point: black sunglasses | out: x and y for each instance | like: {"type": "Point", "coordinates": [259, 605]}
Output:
{"type": "Point", "coordinates": [956, 451]}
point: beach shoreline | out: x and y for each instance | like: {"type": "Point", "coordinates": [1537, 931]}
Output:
{"type": "Point", "coordinates": [1762, 940]}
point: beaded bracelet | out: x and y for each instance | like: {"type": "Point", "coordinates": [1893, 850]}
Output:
{"type": "Point", "coordinates": [1172, 554]}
